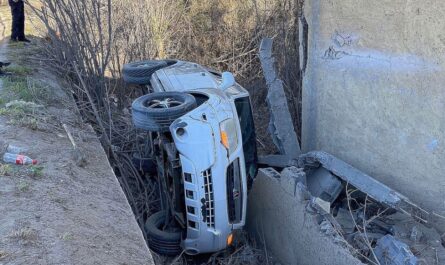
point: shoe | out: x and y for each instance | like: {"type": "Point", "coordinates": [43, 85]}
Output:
{"type": "Point", "coordinates": [24, 40]}
{"type": "Point", "coordinates": [14, 40]}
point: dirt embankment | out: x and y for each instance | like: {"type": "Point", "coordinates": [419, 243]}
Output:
{"type": "Point", "coordinates": [57, 212]}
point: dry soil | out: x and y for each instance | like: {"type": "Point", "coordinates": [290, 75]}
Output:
{"type": "Point", "coordinates": [63, 213]}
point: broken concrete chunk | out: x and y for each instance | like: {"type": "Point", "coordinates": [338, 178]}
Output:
{"type": "Point", "coordinates": [408, 229]}
{"type": "Point", "coordinates": [288, 182]}
{"type": "Point", "coordinates": [416, 234]}
{"type": "Point", "coordinates": [365, 183]}
{"type": "Point", "coordinates": [321, 183]}
{"type": "Point", "coordinates": [277, 161]}
{"type": "Point", "coordinates": [303, 194]}
{"type": "Point", "coordinates": [292, 234]}
{"type": "Point", "coordinates": [296, 173]}
{"type": "Point", "coordinates": [322, 204]}
{"type": "Point", "coordinates": [345, 220]}
{"type": "Point", "coordinates": [281, 125]}
{"type": "Point", "coordinates": [272, 172]}
{"type": "Point", "coordinates": [327, 228]}
{"type": "Point", "coordinates": [390, 251]}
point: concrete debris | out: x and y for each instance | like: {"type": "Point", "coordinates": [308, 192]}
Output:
{"type": "Point", "coordinates": [282, 219]}
{"type": "Point", "coordinates": [278, 161]}
{"type": "Point", "coordinates": [390, 251]}
{"type": "Point", "coordinates": [327, 228]}
{"type": "Point", "coordinates": [424, 242]}
{"type": "Point", "coordinates": [366, 228]}
{"type": "Point", "coordinates": [321, 183]}
{"type": "Point", "coordinates": [296, 173]}
{"type": "Point", "coordinates": [416, 234]}
{"type": "Point", "coordinates": [281, 125]}
{"type": "Point", "coordinates": [344, 218]}
{"type": "Point", "coordinates": [365, 183]}
{"type": "Point", "coordinates": [324, 205]}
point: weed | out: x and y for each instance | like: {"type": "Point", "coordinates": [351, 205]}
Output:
{"type": "Point", "coordinates": [3, 254]}
{"type": "Point", "coordinates": [29, 122]}
{"type": "Point", "coordinates": [25, 89]}
{"type": "Point", "coordinates": [26, 234]}
{"type": "Point", "coordinates": [20, 70]}
{"type": "Point", "coordinates": [61, 201]}
{"type": "Point", "coordinates": [23, 186]}
{"type": "Point", "coordinates": [36, 171]}
{"type": "Point", "coordinates": [67, 236]}
{"type": "Point", "coordinates": [23, 113]}
{"type": "Point", "coordinates": [20, 116]}
{"type": "Point", "coordinates": [23, 106]}
{"type": "Point", "coordinates": [11, 112]}
{"type": "Point", "coordinates": [16, 45]}
{"type": "Point", "coordinates": [5, 170]}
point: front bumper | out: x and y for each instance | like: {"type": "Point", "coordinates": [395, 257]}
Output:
{"type": "Point", "coordinates": [204, 163]}
{"type": "Point", "coordinates": [208, 226]}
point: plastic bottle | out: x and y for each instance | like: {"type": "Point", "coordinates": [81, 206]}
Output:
{"type": "Point", "coordinates": [12, 149]}
{"type": "Point", "coordinates": [18, 159]}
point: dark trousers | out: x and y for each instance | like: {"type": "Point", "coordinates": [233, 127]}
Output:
{"type": "Point", "coordinates": [18, 19]}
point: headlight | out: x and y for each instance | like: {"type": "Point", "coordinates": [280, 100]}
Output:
{"type": "Point", "coordinates": [229, 136]}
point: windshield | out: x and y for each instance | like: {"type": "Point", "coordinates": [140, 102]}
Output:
{"type": "Point", "coordinates": [248, 134]}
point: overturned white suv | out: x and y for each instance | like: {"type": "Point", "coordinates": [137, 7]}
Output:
{"type": "Point", "coordinates": [203, 143]}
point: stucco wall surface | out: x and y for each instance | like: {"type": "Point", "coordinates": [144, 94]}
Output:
{"type": "Point", "coordinates": [374, 91]}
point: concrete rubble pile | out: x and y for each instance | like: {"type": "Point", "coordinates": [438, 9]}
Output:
{"type": "Point", "coordinates": [373, 227]}
{"type": "Point", "coordinates": [378, 222]}
{"type": "Point", "coordinates": [319, 212]}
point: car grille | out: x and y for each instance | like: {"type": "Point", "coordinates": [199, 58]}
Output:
{"type": "Point", "coordinates": [209, 215]}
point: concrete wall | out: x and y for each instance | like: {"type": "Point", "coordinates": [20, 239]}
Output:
{"type": "Point", "coordinates": [374, 91]}
{"type": "Point", "coordinates": [278, 216]}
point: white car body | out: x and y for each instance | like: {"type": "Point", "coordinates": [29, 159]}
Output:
{"type": "Point", "coordinates": [206, 162]}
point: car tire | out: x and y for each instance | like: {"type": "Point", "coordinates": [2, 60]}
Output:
{"type": "Point", "coordinates": [158, 118]}
{"type": "Point", "coordinates": [137, 80]}
{"type": "Point", "coordinates": [162, 242]}
{"type": "Point", "coordinates": [146, 165]}
{"type": "Point", "coordinates": [139, 73]}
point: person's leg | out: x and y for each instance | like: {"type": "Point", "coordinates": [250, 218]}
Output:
{"type": "Point", "coordinates": [21, 33]}
{"type": "Point", "coordinates": [15, 20]}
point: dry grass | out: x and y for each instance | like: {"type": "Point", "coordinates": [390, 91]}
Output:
{"type": "Point", "coordinates": [25, 234]}
{"type": "Point", "coordinates": [5, 170]}
{"type": "Point", "coordinates": [23, 98]}
{"type": "Point", "coordinates": [3, 254]}
{"type": "Point", "coordinates": [67, 236]}
{"type": "Point", "coordinates": [23, 186]}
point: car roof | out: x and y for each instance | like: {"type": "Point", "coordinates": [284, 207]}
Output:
{"type": "Point", "coordinates": [187, 76]}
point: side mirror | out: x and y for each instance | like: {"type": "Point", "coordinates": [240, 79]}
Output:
{"type": "Point", "coordinates": [227, 80]}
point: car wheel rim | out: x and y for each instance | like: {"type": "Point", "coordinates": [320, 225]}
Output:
{"type": "Point", "coordinates": [164, 103]}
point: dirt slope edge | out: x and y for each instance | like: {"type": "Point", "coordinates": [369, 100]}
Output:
{"type": "Point", "coordinates": [63, 213]}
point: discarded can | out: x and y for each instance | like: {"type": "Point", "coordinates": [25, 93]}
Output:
{"type": "Point", "coordinates": [18, 159]}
